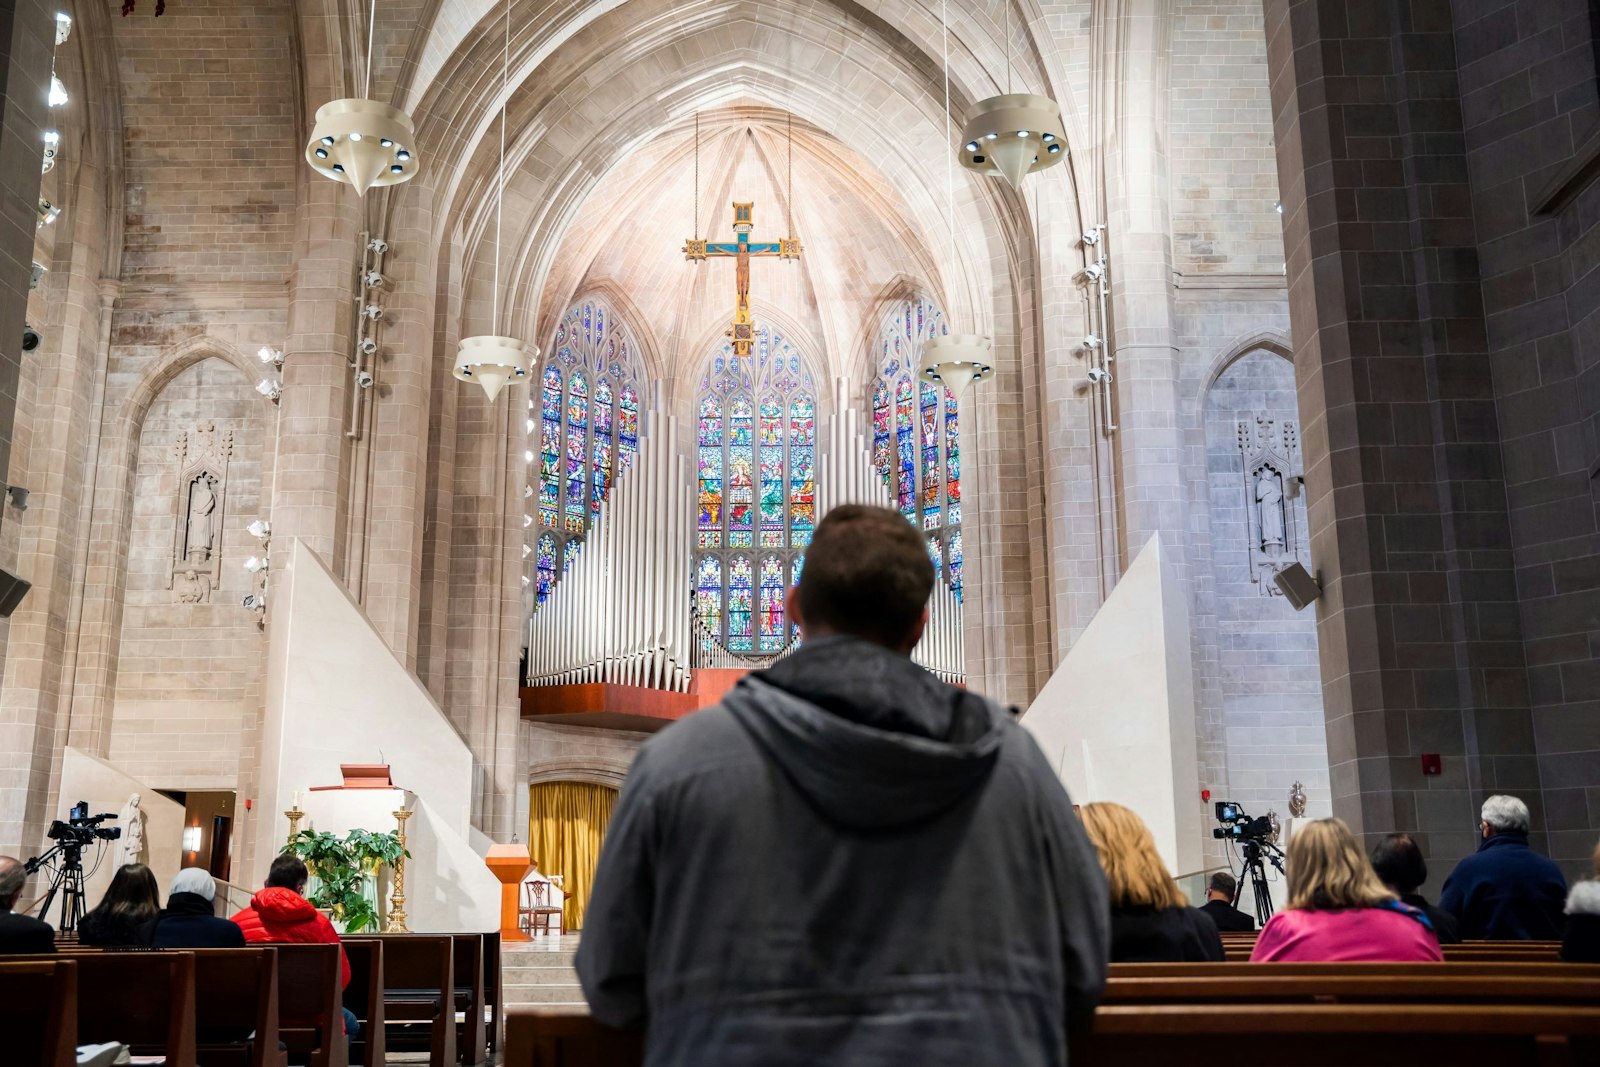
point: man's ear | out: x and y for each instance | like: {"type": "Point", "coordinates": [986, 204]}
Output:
{"type": "Point", "coordinates": [791, 604]}
{"type": "Point", "coordinates": [915, 635]}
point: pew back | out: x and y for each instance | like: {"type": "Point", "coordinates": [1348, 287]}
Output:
{"type": "Point", "coordinates": [309, 1019]}
{"type": "Point", "coordinates": [144, 999]}
{"type": "Point", "coordinates": [39, 1011]}
{"type": "Point", "coordinates": [236, 994]}
{"type": "Point", "coordinates": [418, 987]}
{"type": "Point", "coordinates": [364, 997]}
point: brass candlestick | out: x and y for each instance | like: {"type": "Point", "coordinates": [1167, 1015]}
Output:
{"type": "Point", "coordinates": [397, 899]}
{"type": "Point", "coordinates": [294, 816]}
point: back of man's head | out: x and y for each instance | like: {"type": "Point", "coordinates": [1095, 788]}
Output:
{"type": "Point", "coordinates": [1505, 814]}
{"type": "Point", "coordinates": [287, 872]}
{"type": "Point", "coordinates": [867, 574]}
{"type": "Point", "coordinates": [1224, 883]}
{"type": "Point", "coordinates": [12, 878]}
{"type": "Point", "coordinates": [1399, 863]}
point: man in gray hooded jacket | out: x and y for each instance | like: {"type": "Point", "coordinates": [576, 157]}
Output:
{"type": "Point", "coordinates": [847, 861]}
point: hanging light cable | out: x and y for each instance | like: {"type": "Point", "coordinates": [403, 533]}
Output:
{"type": "Point", "coordinates": [362, 142]}
{"type": "Point", "coordinates": [1014, 134]}
{"type": "Point", "coordinates": [492, 360]}
{"type": "Point", "coordinates": [955, 360]}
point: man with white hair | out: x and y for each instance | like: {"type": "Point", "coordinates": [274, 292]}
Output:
{"type": "Point", "coordinates": [1505, 891]}
{"type": "Point", "coordinates": [190, 919]}
{"type": "Point", "coordinates": [19, 933]}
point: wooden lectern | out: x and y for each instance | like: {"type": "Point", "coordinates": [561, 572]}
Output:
{"type": "Point", "coordinates": [510, 864]}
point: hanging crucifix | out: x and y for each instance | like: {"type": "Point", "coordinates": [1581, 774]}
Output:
{"type": "Point", "coordinates": [741, 248]}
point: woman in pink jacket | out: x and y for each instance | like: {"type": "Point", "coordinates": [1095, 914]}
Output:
{"type": "Point", "coordinates": [1338, 909]}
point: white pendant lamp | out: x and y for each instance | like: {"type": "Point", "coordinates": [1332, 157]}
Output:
{"type": "Point", "coordinates": [361, 142]}
{"type": "Point", "coordinates": [492, 360]}
{"type": "Point", "coordinates": [1013, 134]}
{"type": "Point", "coordinates": [955, 360]}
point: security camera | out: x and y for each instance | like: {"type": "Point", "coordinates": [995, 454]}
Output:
{"type": "Point", "coordinates": [30, 338]}
{"type": "Point", "coordinates": [378, 246]}
{"type": "Point", "coordinates": [368, 346]}
{"type": "Point", "coordinates": [1099, 375]}
{"type": "Point", "coordinates": [364, 379]}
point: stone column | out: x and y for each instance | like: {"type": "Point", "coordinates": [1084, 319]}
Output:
{"type": "Point", "coordinates": [1417, 626]}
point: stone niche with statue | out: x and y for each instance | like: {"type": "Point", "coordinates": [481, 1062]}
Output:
{"type": "Point", "coordinates": [201, 456]}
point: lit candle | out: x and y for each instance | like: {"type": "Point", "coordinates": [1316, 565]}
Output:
{"type": "Point", "coordinates": [297, 800]}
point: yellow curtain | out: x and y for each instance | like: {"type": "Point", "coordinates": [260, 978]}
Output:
{"type": "Point", "coordinates": [566, 822]}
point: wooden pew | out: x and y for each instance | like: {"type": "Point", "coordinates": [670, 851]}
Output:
{"type": "Point", "coordinates": [1264, 983]}
{"type": "Point", "coordinates": [144, 999]}
{"type": "Point", "coordinates": [236, 996]}
{"type": "Point", "coordinates": [1275, 1035]}
{"type": "Point", "coordinates": [418, 987]}
{"type": "Point", "coordinates": [309, 999]}
{"type": "Point", "coordinates": [472, 1045]}
{"type": "Point", "coordinates": [364, 997]}
{"type": "Point", "coordinates": [39, 1011]}
{"type": "Point", "coordinates": [493, 986]}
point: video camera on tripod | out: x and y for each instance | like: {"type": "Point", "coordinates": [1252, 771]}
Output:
{"type": "Point", "coordinates": [1254, 838]}
{"type": "Point", "coordinates": [71, 835]}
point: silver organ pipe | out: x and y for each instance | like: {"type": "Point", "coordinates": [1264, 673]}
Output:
{"type": "Point", "coordinates": [620, 612]}
{"type": "Point", "coordinates": [851, 478]}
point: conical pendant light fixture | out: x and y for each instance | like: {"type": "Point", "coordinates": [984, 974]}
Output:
{"type": "Point", "coordinates": [492, 360]}
{"type": "Point", "coordinates": [362, 142]}
{"type": "Point", "coordinates": [955, 360]}
{"type": "Point", "coordinates": [1013, 134]}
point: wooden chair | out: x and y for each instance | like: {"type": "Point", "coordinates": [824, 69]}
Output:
{"type": "Point", "coordinates": [236, 1006]}
{"type": "Point", "coordinates": [39, 1012]}
{"type": "Point", "coordinates": [538, 913]}
{"type": "Point", "coordinates": [472, 1044]}
{"type": "Point", "coordinates": [364, 997]}
{"type": "Point", "coordinates": [493, 995]}
{"type": "Point", "coordinates": [418, 988]}
{"type": "Point", "coordinates": [309, 1020]}
{"type": "Point", "coordinates": [146, 1000]}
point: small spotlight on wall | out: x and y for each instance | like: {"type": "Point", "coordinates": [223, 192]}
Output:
{"type": "Point", "coordinates": [37, 277]}
{"type": "Point", "coordinates": [19, 497]}
{"type": "Point", "coordinates": [1094, 271]}
{"type": "Point", "coordinates": [377, 246]}
{"type": "Point", "coordinates": [256, 564]}
{"type": "Point", "coordinates": [373, 312]}
{"type": "Point", "coordinates": [373, 280]}
{"type": "Point", "coordinates": [270, 389]}
{"type": "Point", "coordinates": [63, 28]}
{"type": "Point", "coordinates": [261, 529]}
{"type": "Point", "coordinates": [52, 148]}
{"type": "Point", "coordinates": [367, 346]}
{"type": "Point", "coordinates": [58, 92]}
{"type": "Point", "coordinates": [268, 354]}
{"type": "Point", "coordinates": [254, 602]}
{"type": "Point", "coordinates": [364, 379]}
{"type": "Point", "coordinates": [1090, 237]}
{"type": "Point", "coordinates": [1297, 585]}
{"type": "Point", "coordinates": [48, 212]}
{"type": "Point", "coordinates": [1092, 341]}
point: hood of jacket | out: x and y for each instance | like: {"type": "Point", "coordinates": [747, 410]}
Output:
{"type": "Point", "coordinates": [1584, 898]}
{"type": "Point", "coordinates": [279, 905]}
{"type": "Point", "coordinates": [870, 739]}
{"type": "Point", "coordinates": [188, 904]}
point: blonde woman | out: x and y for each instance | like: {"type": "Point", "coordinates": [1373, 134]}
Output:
{"type": "Point", "coordinates": [1151, 921]}
{"type": "Point", "coordinates": [1339, 910]}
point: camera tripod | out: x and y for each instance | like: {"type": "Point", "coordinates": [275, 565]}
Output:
{"type": "Point", "coordinates": [67, 881]}
{"type": "Point", "coordinates": [1255, 872]}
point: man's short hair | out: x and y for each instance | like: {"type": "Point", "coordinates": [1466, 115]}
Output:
{"type": "Point", "coordinates": [867, 574]}
{"type": "Point", "coordinates": [1223, 882]}
{"type": "Point", "coordinates": [12, 878]}
{"type": "Point", "coordinates": [287, 872]}
{"type": "Point", "coordinates": [1499, 811]}
{"type": "Point", "coordinates": [1398, 861]}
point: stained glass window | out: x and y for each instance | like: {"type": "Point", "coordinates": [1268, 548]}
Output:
{"type": "Point", "coordinates": [586, 416]}
{"type": "Point", "coordinates": [916, 434]}
{"type": "Point", "coordinates": [756, 440]}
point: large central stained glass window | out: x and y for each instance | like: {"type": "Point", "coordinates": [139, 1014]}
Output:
{"type": "Point", "coordinates": [756, 443]}
{"type": "Point", "coordinates": [916, 436]}
{"type": "Point", "coordinates": [583, 432]}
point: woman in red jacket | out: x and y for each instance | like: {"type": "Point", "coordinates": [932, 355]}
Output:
{"type": "Point", "coordinates": [281, 913]}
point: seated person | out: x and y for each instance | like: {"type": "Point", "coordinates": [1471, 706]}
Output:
{"type": "Point", "coordinates": [19, 933]}
{"type": "Point", "coordinates": [1505, 891]}
{"type": "Point", "coordinates": [131, 901]}
{"type": "Point", "coordinates": [1338, 910]}
{"type": "Point", "coordinates": [1219, 905]}
{"type": "Point", "coordinates": [1399, 863]}
{"type": "Point", "coordinates": [1581, 943]}
{"type": "Point", "coordinates": [279, 912]}
{"type": "Point", "coordinates": [189, 920]}
{"type": "Point", "coordinates": [1151, 921]}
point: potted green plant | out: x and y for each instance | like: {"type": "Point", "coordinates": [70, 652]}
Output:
{"type": "Point", "coordinates": [346, 872]}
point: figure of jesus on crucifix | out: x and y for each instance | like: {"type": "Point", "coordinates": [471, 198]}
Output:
{"type": "Point", "coordinates": [741, 248]}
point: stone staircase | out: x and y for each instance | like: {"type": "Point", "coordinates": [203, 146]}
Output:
{"type": "Point", "coordinates": [540, 971]}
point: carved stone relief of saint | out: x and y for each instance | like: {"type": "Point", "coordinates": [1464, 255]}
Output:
{"type": "Point", "coordinates": [1269, 506]}
{"type": "Point", "coordinates": [201, 530]}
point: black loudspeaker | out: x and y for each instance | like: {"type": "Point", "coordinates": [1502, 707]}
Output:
{"type": "Point", "coordinates": [1297, 586]}
{"type": "Point", "coordinates": [12, 590]}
